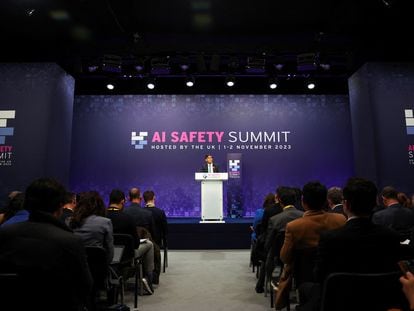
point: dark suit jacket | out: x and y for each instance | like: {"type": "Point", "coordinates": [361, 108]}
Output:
{"type": "Point", "coordinates": [338, 209]}
{"type": "Point", "coordinates": [51, 261]}
{"type": "Point", "coordinates": [360, 246]}
{"type": "Point", "coordinates": [160, 225]}
{"type": "Point", "coordinates": [396, 217]}
{"type": "Point", "coordinates": [142, 217]}
{"type": "Point", "coordinates": [204, 168]}
{"type": "Point", "coordinates": [269, 212]}
{"type": "Point", "coordinates": [124, 224]}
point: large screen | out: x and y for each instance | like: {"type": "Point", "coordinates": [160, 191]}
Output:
{"type": "Point", "coordinates": [158, 142]}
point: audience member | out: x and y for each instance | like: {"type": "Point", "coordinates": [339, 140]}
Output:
{"type": "Point", "coordinates": [334, 198]}
{"type": "Point", "coordinates": [160, 231]}
{"type": "Point", "coordinates": [91, 225]}
{"type": "Point", "coordinates": [269, 201]}
{"type": "Point", "coordinates": [304, 232]}
{"type": "Point", "coordinates": [404, 200]}
{"type": "Point", "coordinates": [4, 208]}
{"type": "Point", "coordinates": [358, 247]}
{"type": "Point", "coordinates": [15, 211]}
{"type": "Point", "coordinates": [68, 206]}
{"type": "Point", "coordinates": [49, 259]}
{"type": "Point", "coordinates": [124, 223]}
{"type": "Point", "coordinates": [286, 197]}
{"type": "Point", "coordinates": [142, 217]}
{"type": "Point", "coordinates": [394, 216]}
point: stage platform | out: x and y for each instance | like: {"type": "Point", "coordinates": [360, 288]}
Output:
{"type": "Point", "coordinates": [189, 233]}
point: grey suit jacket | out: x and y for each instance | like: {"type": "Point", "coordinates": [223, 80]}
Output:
{"type": "Point", "coordinates": [97, 231]}
{"type": "Point", "coordinates": [278, 223]}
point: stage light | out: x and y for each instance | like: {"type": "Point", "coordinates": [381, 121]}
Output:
{"type": "Point", "coordinates": [230, 81]}
{"type": "Point", "coordinates": [190, 81]}
{"type": "Point", "coordinates": [273, 83]}
{"type": "Point", "coordinates": [310, 84]}
{"type": "Point", "coordinates": [110, 86]}
{"type": "Point", "coordinates": [151, 84]}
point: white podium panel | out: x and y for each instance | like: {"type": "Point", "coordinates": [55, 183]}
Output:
{"type": "Point", "coordinates": [211, 196]}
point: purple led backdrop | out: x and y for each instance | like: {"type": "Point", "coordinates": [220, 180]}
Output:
{"type": "Point", "coordinates": [123, 141]}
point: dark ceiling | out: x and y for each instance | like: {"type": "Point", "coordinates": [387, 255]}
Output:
{"type": "Point", "coordinates": [80, 33]}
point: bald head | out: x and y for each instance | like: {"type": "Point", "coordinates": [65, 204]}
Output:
{"type": "Point", "coordinates": [135, 195]}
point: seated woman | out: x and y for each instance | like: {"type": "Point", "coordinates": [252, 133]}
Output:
{"type": "Point", "coordinates": [89, 222]}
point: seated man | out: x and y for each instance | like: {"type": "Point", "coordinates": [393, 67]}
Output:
{"type": "Point", "coordinates": [124, 223]}
{"type": "Point", "coordinates": [49, 259]}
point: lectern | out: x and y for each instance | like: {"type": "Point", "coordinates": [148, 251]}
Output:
{"type": "Point", "coordinates": [211, 196]}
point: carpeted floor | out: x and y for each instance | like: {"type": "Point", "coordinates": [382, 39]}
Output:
{"type": "Point", "coordinates": [208, 280]}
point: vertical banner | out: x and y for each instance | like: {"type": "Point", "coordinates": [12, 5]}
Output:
{"type": "Point", "coordinates": [234, 186]}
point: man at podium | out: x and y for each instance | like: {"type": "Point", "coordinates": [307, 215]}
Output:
{"type": "Point", "coordinates": [209, 166]}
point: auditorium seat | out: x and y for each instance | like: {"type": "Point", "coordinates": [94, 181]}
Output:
{"type": "Point", "coordinates": [129, 265]}
{"type": "Point", "coordinates": [104, 277]}
{"type": "Point", "coordinates": [358, 292]}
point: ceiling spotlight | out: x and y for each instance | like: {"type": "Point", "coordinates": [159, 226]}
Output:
{"type": "Point", "coordinates": [110, 86]}
{"type": "Point", "coordinates": [30, 12]}
{"type": "Point", "coordinates": [310, 85]}
{"type": "Point", "coordinates": [273, 83]}
{"type": "Point", "coordinates": [151, 84]}
{"type": "Point", "coordinates": [190, 81]}
{"type": "Point", "coordinates": [230, 81]}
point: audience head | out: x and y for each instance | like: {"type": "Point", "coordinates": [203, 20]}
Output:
{"type": "Point", "coordinates": [389, 195]}
{"type": "Point", "coordinates": [404, 200]}
{"type": "Point", "coordinates": [90, 203]}
{"type": "Point", "coordinates": [314, 196]}
{"type": "Point", "coordinates": [117, 197]}
{"type": "Point", "coordinates": [15, 204]}
{"type": "Point", "coordinates": [360, 197]}
{"type": "Point", "coordinates": [44, 195]}
{"type": "Point", "coordinates": [69, 200]}
{"type": "Point", "coordinates": [149, 196]}
{"type": "Point", "coordinates": [269, 200]}
{"type": "Point", "coordinates": [135, 195]}
{"type": "Point", "coordinates": [335, 196]}
{"type": "Point", "coordinates": [286, 196]}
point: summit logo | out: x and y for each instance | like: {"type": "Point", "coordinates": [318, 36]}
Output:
{"type": "Point", "coordinates": [4, 129]}
{"type": "Point", "coordinates": [409, 121]}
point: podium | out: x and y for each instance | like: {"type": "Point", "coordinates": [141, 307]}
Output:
{"type": "Point", "coordinates": [211, 196]}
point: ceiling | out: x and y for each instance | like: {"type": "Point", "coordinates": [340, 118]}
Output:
{"type": "Point", "coordinates": [79, 33]}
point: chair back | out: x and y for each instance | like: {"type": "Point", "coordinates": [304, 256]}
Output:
{"type": "Point", "coordinates": [304, 264]}
{"type": "Point", "coordinates": [127, 241]}
{"type": "Point", "coordinates": [357, 292]}
{"type": "Point", "coordinates": [98, 265]}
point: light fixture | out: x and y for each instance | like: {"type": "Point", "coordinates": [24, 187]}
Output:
{"type": "Point", "coordinates": [151, 84]}
{"type": "Point", "coordinates": [110, 86]}
{"type": "Point", "coordinates": [190, 81]}
{"type": "Point", "coordinates": [273, 83]}
{"type": "Point", "coordinates": [310, 84]}
{"type": "Point", "coordinates": [230, 81]}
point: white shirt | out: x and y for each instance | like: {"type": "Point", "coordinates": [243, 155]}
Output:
{"type": "Point", "coordinates": [210, 168]}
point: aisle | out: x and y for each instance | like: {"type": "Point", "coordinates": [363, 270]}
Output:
{"type": "Point", "coordinates": [211, 280]}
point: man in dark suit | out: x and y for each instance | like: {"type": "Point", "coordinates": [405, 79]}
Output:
{"type": "Point", "coordinates": [394, 216]}
{"type": "Point", "coordinates": [360, 246]}
{"type": "Point", "coordinates": [49, 259]}
{"type": "Point", "coordinates": [160, 229]}
{"type": "Point", "coordinates": [209, 166]}
{"type": "Point", "coordinates": [142, 217]}
{"type": "Point", "coordinates": [124, 224]}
